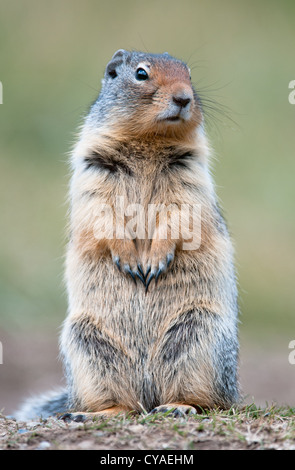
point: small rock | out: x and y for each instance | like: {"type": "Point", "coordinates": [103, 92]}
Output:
{"type": "Point", "coordinates": [99, 434]}
{"type": "Point", "coordinates": [44, 445]}
{"type": "Point", "coordinates": [85, 445]}
{"type": "Point", "coordinates": [32, 424]}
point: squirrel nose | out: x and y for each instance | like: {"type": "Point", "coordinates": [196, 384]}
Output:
{"type": "Point", "coordinates": [181, 101]}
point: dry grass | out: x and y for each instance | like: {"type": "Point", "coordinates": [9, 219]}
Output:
{"type": "Point", "coordinates": [249, 428]}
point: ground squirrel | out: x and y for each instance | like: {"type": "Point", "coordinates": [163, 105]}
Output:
{"type": "Point", "coordinates": [152, 325]}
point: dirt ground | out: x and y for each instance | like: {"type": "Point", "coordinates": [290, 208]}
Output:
{"type": "Point", "coordinates": [250, 430]}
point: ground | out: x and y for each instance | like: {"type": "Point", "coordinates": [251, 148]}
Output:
{"type": "Point", "coordinates": [248, 428]}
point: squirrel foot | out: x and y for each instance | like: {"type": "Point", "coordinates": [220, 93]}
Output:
{"type": "Point", "coordinates": [82, 417]}
{"type": "Point", "coordinates": [175, 409]}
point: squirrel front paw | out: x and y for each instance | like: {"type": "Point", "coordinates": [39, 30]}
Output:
{"type": "Point", "coordinates": [159, 259]}
{"type": "Point", "coordinates": [156, 262]}
{"type": "Point", "coordinates": [125, 257]}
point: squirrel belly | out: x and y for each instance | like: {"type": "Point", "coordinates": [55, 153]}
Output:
{"type": "Point", "coordinates": [152, 321]}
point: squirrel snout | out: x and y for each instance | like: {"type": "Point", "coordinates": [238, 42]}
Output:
{"type": "Point", "coordinates": [181, 101]}
{"type": "Point", "coordinates": [180, 104]}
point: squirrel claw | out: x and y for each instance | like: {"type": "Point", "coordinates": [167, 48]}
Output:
{"type": "Point", "coordinates": [128, 270]}
{"type": "Point", "coordinates": [139, 267]}
{"type": "Point", "coordinates": [116, 260]}
{"type": "Point", "coordinates": [69, 417]}
{"type": "Point", "coordinates": [140, 277]}
{"type": "Point", "coordinates": [151, 277]}
{"type": "Point", "coordinates": [148, 271]}
{"type": "Point", "coordinates": [169, 259]}
{"type": "Point", "coordinates": [156, 272]}
{"type": "Point", "coordinates": [134, 273]}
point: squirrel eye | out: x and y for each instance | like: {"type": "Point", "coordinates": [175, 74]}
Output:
{"type": "Point", "coordinates": [141, 74]}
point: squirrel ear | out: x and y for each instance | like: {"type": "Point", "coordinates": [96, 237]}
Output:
{"type": "Point", "coordinates": [116, 61]}
{"type": "Point", "coordinates": [119, 53]}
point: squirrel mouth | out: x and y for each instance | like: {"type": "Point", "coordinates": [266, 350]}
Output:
{"type": "Point", "coordinates": [173, 118]}
{"type": "Point", "coordinates": [178, 117]}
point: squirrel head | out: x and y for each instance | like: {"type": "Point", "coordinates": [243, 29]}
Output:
{"type": "Point", "coordinates": [147, 94]}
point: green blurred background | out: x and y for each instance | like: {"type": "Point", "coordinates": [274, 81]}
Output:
{"type": "Point", "coordinates": [52, 57]}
